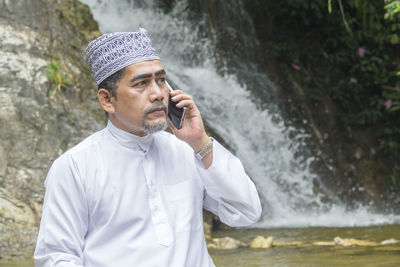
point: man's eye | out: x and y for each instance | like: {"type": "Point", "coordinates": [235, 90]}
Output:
{"type": "Point", "coordinates": [161, 81]}
{"type": "Point", "coordinates": [142, 83]}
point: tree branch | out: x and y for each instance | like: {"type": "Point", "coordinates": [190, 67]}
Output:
{"type": "Point", "coordinates": [343, 17]}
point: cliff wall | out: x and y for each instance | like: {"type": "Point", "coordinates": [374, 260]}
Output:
{"type": "Point", "coordinates": [47, 104]}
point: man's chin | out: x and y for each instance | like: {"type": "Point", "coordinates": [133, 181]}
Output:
{"type": "Point", "coordinates": [156, 126]}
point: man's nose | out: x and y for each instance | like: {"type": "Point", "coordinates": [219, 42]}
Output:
{"type": "Point", "coordinates": [156, 92]}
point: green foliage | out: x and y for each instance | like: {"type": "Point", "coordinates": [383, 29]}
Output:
{"type": "Point", "coordinates": [58, 80]}
{"type": "Point", "coordinates": [79, 16]}
{"type": "Point", "coordinates": [392, 14]}
{"type": "Point", "coordinates": [365, 117]}
{"type": "Point", "coordinates": [392, 8]}
{"type": "Point", "coordinates": [349, 49]}
{"type": "Point", "coordinates": [375, 26]}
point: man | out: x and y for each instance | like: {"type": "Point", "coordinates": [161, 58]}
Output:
{"type": "Point", "coordinates": [132, 194]}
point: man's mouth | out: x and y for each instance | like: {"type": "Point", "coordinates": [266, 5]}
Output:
{"type": "Point", "coordinates": [157, 111]}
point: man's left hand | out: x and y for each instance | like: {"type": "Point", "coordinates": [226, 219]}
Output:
{"type": "Point", "coordinates": [192, 131]}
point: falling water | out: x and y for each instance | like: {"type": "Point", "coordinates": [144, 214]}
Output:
{"type": "Point", "coordinates": [257, 134]}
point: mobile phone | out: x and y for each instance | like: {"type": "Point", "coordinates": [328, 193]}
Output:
{"type": "Point", "coordinates": [176, 114]}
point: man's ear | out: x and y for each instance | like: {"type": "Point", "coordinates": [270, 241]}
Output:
{"type": "Point", "coordinates": [106, 100]}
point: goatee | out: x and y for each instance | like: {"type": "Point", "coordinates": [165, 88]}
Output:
{"type": "Point", "coordinates": [157, 126]}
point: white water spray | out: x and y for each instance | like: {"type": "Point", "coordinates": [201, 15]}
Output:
{"type": "Point", "coordinates": [259, 138]}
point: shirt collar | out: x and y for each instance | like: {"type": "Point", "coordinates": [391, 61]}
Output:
{"type": "Point", "coordinates": [130, 140]}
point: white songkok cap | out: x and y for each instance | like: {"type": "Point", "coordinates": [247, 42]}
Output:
{"type": "Point", "coordinates": [111, 52]}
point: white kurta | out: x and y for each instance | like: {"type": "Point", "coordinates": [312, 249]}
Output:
{"type": "Point", "coordinates": [117, 199]}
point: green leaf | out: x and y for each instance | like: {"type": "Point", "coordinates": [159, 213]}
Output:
{"type": "Point", "coordinates": [394, 39]}
{"type": "Point", "coordinates": [395, 108]}
{"type": "Point", "coordinates": [330, 6]}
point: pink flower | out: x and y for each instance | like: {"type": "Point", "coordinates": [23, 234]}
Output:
{"type": "Point", "coordinates": [388, 104]}
{"type": "Point", "coordinates": [353, 80]}
{"type": "Point", "coordinates": [361, 52]}
{"type": "Point", "coordinates": [381, 141]}
{"type": "Point", "coordinates": [295, 66]}
{"type": "Point", "coordinates": [325, 55]}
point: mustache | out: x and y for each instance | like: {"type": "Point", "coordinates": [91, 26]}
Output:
{"type": "Point", "coordinates": [154, 107]}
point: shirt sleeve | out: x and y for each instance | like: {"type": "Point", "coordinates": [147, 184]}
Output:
{"type": "Point", "coordinates": [64, 217]}
{"type": "Point", "coordinates": [229, 192]}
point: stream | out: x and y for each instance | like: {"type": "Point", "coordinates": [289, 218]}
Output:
{"type": "Point", "coordinates": [311, 255]}
{"type": "Point", "coordinates": [305, 254]}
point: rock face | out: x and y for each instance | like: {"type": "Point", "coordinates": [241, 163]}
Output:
{"type": "Point", "coordinates": [225, 243]}
{"type": "Point", "coordinates": [47, 104]}
{"type": "Point", "coordinates": [353, 242]}
{"type": "Point", "coordinates": [262, 242]}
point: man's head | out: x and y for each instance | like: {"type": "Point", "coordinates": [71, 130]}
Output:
{"type": "Point", "coordinates": [130, 80]}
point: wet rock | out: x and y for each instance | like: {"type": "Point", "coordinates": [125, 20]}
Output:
{"type": "Point", "coordinates": [324, 243]}
{"type": "Point", "coordinates": [211, 246]}
{"type": "Point", "coordinates": [262, 242]}
{"type": "Point", "coordinates": [208, 238]}
{"type": "Point", "coordinates": [207, 228]}
{"type": "Point", "coordinates": [225, 243]}
{"type": "Point", "coordinates": [358, 153]}
{"type": "Point", "coordinates": [288, 243]}
{"type": "Point", "coordinates": [16, 212]}
{"type": "Point", "coordinates": [353, 242]}
{"type": "Point", "coordinates": [390, 241]}
{"type": "Point", "coordinates": [39, 117]}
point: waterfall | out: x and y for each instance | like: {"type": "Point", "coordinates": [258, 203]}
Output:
{"type": "Point", "coordinates": [268, 149]}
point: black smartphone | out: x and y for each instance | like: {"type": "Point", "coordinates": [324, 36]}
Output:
{"type": "Point", "coordinates": [176, 114]}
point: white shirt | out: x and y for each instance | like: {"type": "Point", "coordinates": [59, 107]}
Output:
{"type": "Point", "coordinates": [117, 199]}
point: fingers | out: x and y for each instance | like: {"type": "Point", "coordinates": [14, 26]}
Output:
{"type": "Point", "coordinates": [176, 92]}
{"type": "Point", "coordinates": [186, 104]}
{"type": "Point", "coordinates": [179, 95]}
{"type": "Point", "coordinates": [183, 99]}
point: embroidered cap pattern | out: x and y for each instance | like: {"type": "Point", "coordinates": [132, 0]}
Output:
{"type": "Point", "coordinates": [111, 52]}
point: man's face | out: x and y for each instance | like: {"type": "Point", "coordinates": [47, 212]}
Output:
{"type": "Point", "coordinates": [142, 99]}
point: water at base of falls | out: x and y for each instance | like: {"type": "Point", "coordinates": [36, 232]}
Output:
{"type": "Point", "coordinates": [306, 253]}
{"type": "Point", "coordinates": [257, 135]}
